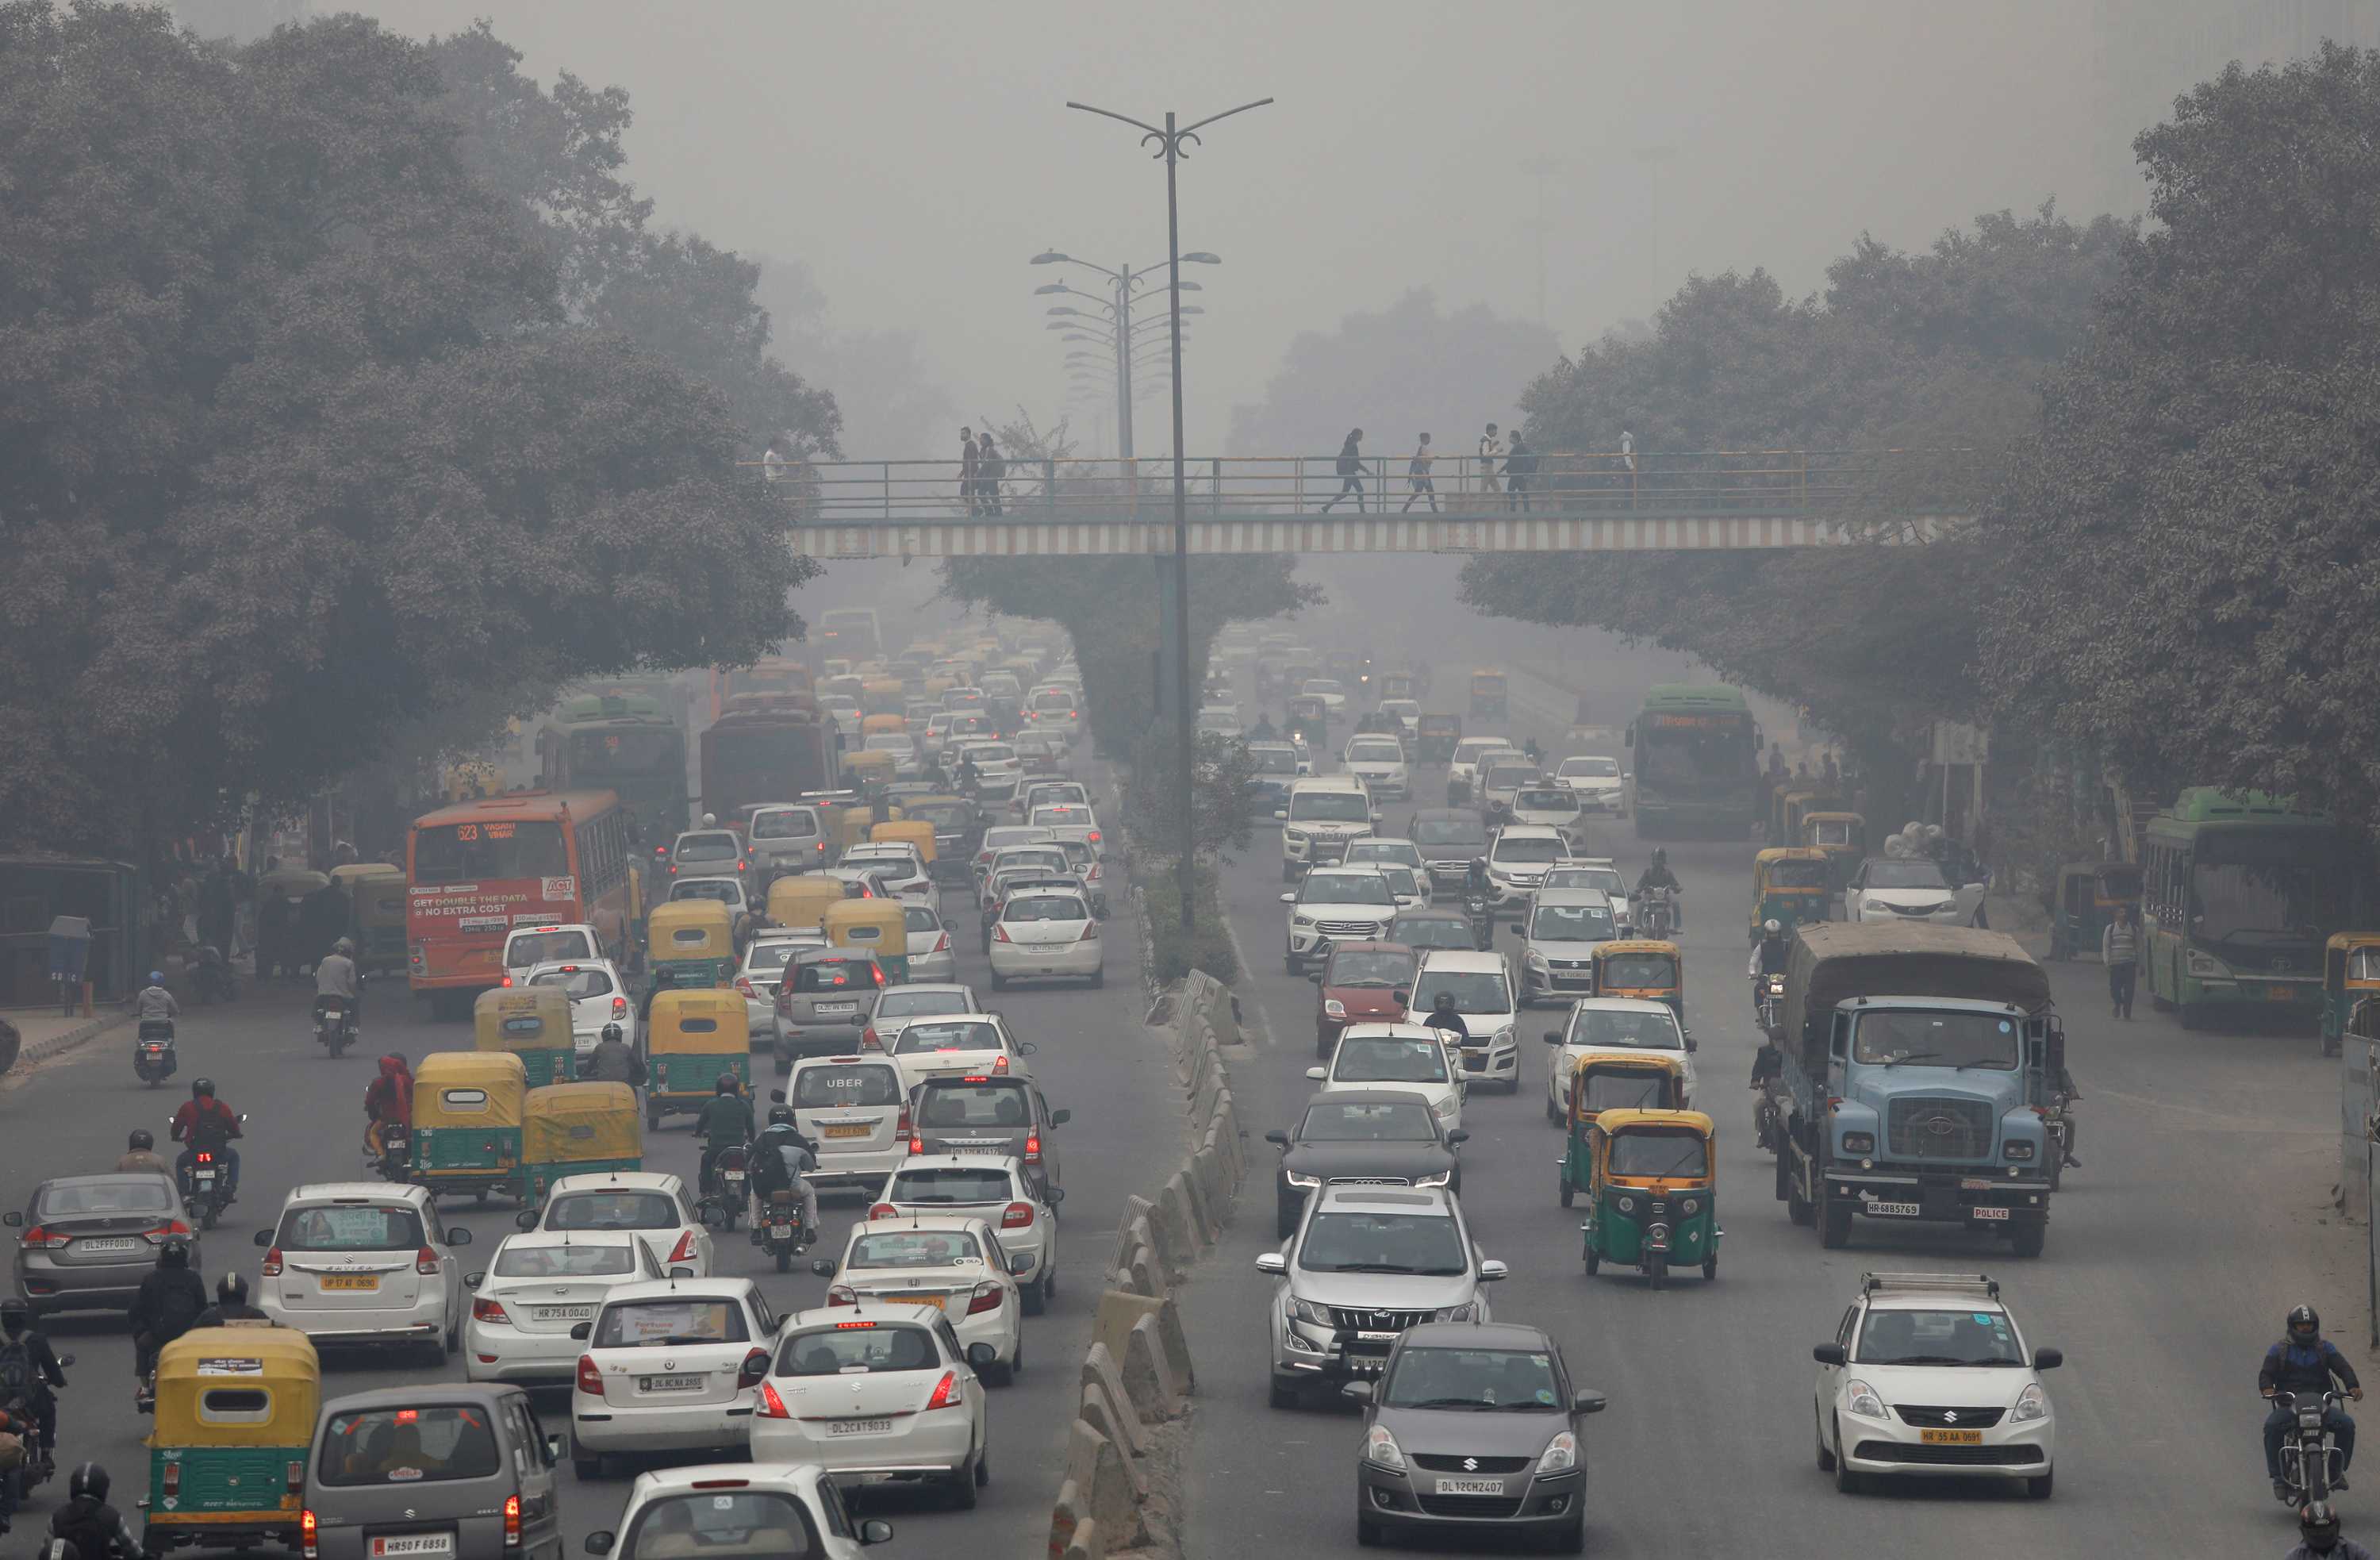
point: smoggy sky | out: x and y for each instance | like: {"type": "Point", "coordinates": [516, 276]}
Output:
{"type": "Point", "coordinates": [915, 156]}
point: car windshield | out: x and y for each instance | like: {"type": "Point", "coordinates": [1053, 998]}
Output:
{"type": "Point", "coordinates": [413, 1445]}
{"type": "Point", "coordinates": [1345, 888]}
{"type": "Point", "coordinates": [726, 891]}
{"type": "Point", "coordinates": [912, 1249]}
{"type": "Point", "coordinates": [722, 1525]}
{"type": "Point", "coordinates": [1274, 761]}
{"type": "Point", "coordinates": [1432, 932]}
{"type": "Point", "coordinates": [992, 753]}
{"type": "Point", "coordinates": [899, 1004]}
{"type": "Point", "coordinates": [1040, 857]}
{"type": "Point", "coordinates": [666, 1321]}
{"type": "Point", "coordinates": [1329, 806]}
{"type": "Point", "coordinates": [545, 947]}
{"type": "Point", "coordinates": [1396, 1121]}
{"type": "Point", "coordinates": [1883, 873]}
{"type": "Point", "coordinates": [833, 974]}
{"type": "Point", "coordinates": [115, 1194]}
{"type": "Point", "coordinates": [933, 1035]}
{"type": "Point", "coordinates": [359, 1227]}
{"type": "Point", "coordinates": [1472, 750]}
{"type": "Point", "coordinates": [951, 1184]}
{"type": "Point", "coordinates": [942, 815]}
{"type": "Point", "coordinates": [1369, 850]}
{"type": "Point", "coordinates": [1938, 1337]}
{"type": "Point", "coordinates": [1942, 1040]}
{"type": "Point", "coordinates": [1529, 847]}
{"type": "Point", "coordinates": [1383, 1059]}
{"type": "Point", "coordinates": [861, 1350]}
{"type": "Point", "coordinates": [1625, 1028]}
{"type": "Point", "coordinates": [1402, 881]}
{"type": "Point", "coordinates": [1475, 990]}
{"type": "Point", "coordinates": [1368, 968]}
{"type": "Point", "coordinates": [1001, 1107]}
{"type": "Point", "coordinates": [581, 1261]}
{"type": "Point", "coordinates": [772, 958]}
{"type": "Point", "coordinates": [1544, 799]}
{"type": "Point", "coordinates": [611, 1210]}
{"type": "Point", "coordinates": [1043, 906]}
{"type": "Point", "coordinates": [1570, 923]}
{"type": "Point", "coordinates": [1347, 1241]}
{"type": "Point", "coordinates": [583, 981]}
{"type": "Point", "coordinates": [1593, 768]}
{"type": "Point", "coordinates": [1485, 1380]}
{"type": "Point", "coordinates": [1385, 750]}
{"type": "Point", "coordinates": [837, 1088]}
{"type": "Point", "coordinates": [707, 847]}
{"type": "Point", "coordinates": [1317, 686]}
{"type": "Point", "coordinates": [1638, 972]}
{"type": "Point", "coordinates": [1505, 776]}
{"type": "Point", "coordinates": [1450, 830]}
{"type": "Point", "coordinates": [783, 825]}
{"type": "Point", "coordinates": [1660, 1154]}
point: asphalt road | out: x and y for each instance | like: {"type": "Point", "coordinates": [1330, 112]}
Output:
{"type": "Point", "coordinates": [2202, 1215]}
{"type": "Point", "coordinates": [305, 1118]}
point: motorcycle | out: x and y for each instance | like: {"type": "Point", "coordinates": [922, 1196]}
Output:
{"type": "Point", "coordinates": [211, 979]}
{"type": "Point", "coordinates": [2310, 1465]}
{"type": "Point", "coordinates": [1656, 915]}
{"type": "Point", "coordinates": [335, 1023]}
{"type": "Point", "coordinates": [783, 1232]}
{"type": "Point", "coordinates": [41, 1460]}
{"type": "Point", "coordinates": [1483, 924]}
{"type": "Point", "coordinates": [2057, 1118]}
{"type": "Point", "coordinates": [725, 1199]}
{"type": "Point", "coordinates": [153, 1057]}
{"type": "Point", "coordinates": [1769, 1118]}
{"type": "Point", "coordinates": [205, 1193]}
{"type": "Point", "coordinates": [1768, 1000]}
{"type": "Point", "coordinates": [395, 1152]}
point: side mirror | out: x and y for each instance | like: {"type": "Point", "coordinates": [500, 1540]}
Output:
{"type": "Point", "coordinates": [2048, 1359]}
{"type": "Point", "coordinates": [823, 1268]}
{"type": "Point", "coordinates": [682, 1272]}
{"type": "Point", "coordinates": [472, 1280]}
{"type": "Point", "coordinates": [1491, 1271]}
{"type": "Point", "coordinates": [601, 1542]}
{"type": "Point", "coordinates": [65, 1359]}
{"type": "Point", "coordinates": [1054, 1196]}
{"type": "Point", "coordinates": [776, 1096]}
{"type": "Point", "coordinates": [1026, 1048]}
{"type": "Point", "coordinates": [876, 1529]}
{"type": "Point", "coordinates": [1587, 1402]}
{"type": "Point", "coordinates": [458, 1235]}
{"type": "Point", "coordinates": [1553, 1037]}
{"type": "Point", "coordinates": [981, 1354]}
{"type": "Point", "coordinates": [1828, 1354]}
{"type": "Point", "coordinates": [582, 1331]}
{"type": "Point", "coordinates": [1019, 1265]}
{"type": "Point", "coordinates": [1289, 899]}
{"type": "Point", "coordinates": [524, 1219]}
{"type": "Point", "coordinates": [1280, 817]}
{"type": "Point", "coordinates": [553, 1450]}
{"type": "Point", "coordinates": [1272, 1262]}
{"type": "Point", "coordinates": [263, 1237]}
{"type": "Point", "coordinates": [1060, 1118]}
{"type": "Point", "coordinates": [1360, 1392]}
{"type": "Point", "coordinates": [1314, 977]}
{"type": "Point", "coordinates": [1278, 1138]}
{"type": "Point", "coordinates": [14, 1221]}
{"type": "Point", "coordinates": [1318, 1074]}
{"type": "Point", "coordinates": [1690, 1045]}
{"type": "Point", "coordinates": [1459, 1135]}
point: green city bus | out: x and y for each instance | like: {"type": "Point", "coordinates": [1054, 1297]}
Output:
{"type": "Point", "coordinates": [2239, 891]}
{"type": "Point", "coordinates": [623, 742]}
{"type": "Point", "coordinates": [1697, 768]}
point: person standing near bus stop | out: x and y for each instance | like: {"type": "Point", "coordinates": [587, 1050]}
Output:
{"type": "Point", "coordinates": [2121, 947]}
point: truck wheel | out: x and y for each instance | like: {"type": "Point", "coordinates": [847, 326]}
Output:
{"type": "Point", "coordinates": [1834, 1220]}
{"type": "Point", "coordinates": [1797, 1207]}
{"type": "Point", "coordinates": [1784, 1175]}
{"type": "Point", "coordinates": [2026, 1240]}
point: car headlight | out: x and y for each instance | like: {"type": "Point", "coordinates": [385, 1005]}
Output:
{"type": "Point", "coordinates": [1690, 1205]}
{"type": "Point", "coordinates": [1334, 1009]}
{"type": "Point", "coordinates": [1303, 1183]}
{"type": "Point", "coordinates": [1859, 1142]}
{"type": "Point", "coordinates": [1457, 1314]}
{"type": "Point", "coordinates": [1443, 1108]}
{"type": "Point", "coordinates": [1537, 960]}
{"type": "Point", "coordinates": [1295, 836]}
{"type": "Point", "coordinates": [2017, 1151]}
{"type": "Point", "coordinates": [1301, 920]}
{"type": "Point", "coordinates": [1560, 1454]}
{"type": "Point", "coordinates": [1442, 1179]}
{"type": "Point", "coordinates": [2031, 1404]}
{"type": "Point", "coordinates": [1307, 1311]}
{"type": "Point", "coordinates": [2207, 967]}
{"type": "Point", "coordinates": [1861, 1399]}
{"type": "Point", "coordinates": [1628, 1205]}
{"type": "Point", "coordinates": [1380, 1447]}
{"type": "Point", "coordinates": [1500, 1037]}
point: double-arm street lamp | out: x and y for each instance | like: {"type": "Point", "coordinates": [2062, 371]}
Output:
{"type": "Point", "coordinates": [1117, 330]}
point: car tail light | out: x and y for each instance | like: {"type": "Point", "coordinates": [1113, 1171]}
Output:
{"type": "Point", "coordinates": [425, 1262]}
{"type": "Point", "coordinates": [884, 1210]}
{"type": "Point", "coordinates": [1090, 932]}
{"type": "Point", "coordinates": [1033, 1148]}
{"type": "Point", "coordinates": [771, 1406]}
{"type": "Point", "coordinates": [841, 1295]}
{"type": "Point", "coordinates": [619, 1008]}
{"type": "Point", "coordinates": [684, 1250]}
{"type": "Point", "coordinates": [870, 1040]}
{"type": "Point", "coordinates": [1016, 1215]}
{"type": "Point", "coordinates": [490, 1310]}
{"type": "Point", "coordinates": [947, 1393]}
{"type": "Point", "coordinates": [591, 1380]}
{"type": "Point", "coordinates": [987, 1297]}
{"type": "Point", "coordinates": [43, 1236]}
{"type": "Point", "coordinates": [272, 1268]}
{"type": "Point", "coordinates": [512, 1521]}
{"type": "Point", "coordinates": [1000, 934]}
{"type": "Point", "coordinates": [942, 945]}
{"type": "Point", "coordinates": [877, 970]}
{"type": "Point", "coordinates": [756, 1366]}
{"type": "Point", "coordinates": [744, 984]}
{"type": "Point", "coordinates": [1094, 837]}
{"type": "Point", "coordinates": [307, 1533]}
{"type": "Point", "coordinates": [917, 1145]}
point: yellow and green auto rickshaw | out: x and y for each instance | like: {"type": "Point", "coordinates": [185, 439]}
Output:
{"type": "Point", "coordinates": [691, 943]}
{"type": "Point", "coordinates": [573, 1128]}
{"type": "Point", "coordinates": [2351, 974]}
{"type": "Point", "coordinates": [1842, 836]}
{"type": "Point", "coordinates": [882, 726]}
{"type": "Point", "coordinates": [800, 902]}
{"type": "Point", "coordinates": [466, 1123]}
{"type": "Point", "coordinates": [1642, 966]}
{"type": "Point", "coordinates": [531, 1022]}
{"type": "Point", "coordinates": [1607, 1081]}
{"type": "Point", "coordinates": [869, 770]}
{"type": "Point", "coordinates": [1790, 884]}
{"type": "Point", "coordinates": [1652, 1196]}
{"type": "Point", "coordinates": [875, 926]}
{"type": "Point", "coordinates": [691, 1038]}
{"type": "Point", "coordinates": [375, 892]}
{"type": "Point", "coordinates": [906, 830]}
{"type": "Point", "coordinates": [235, 1425]}
{"type": "Point", "coordinates": [2089, 894]}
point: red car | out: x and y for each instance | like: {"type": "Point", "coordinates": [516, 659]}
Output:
{"type": "Point", "coordinates": [1361, 984]}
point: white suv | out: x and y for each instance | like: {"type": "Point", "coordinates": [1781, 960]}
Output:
{"type": "Point", "coordinates": [1517, 859]}
{"type": "Point", "coordinates": [1325, 812]}
{"type": "Point", "coordinates": [1337, 905]}
{"type": "Point", "coordinates": [1482, 988]}
{"type": "Point", "coordinates": [364, 1262]}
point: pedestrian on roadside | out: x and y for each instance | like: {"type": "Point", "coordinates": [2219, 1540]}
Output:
{"type": "Point", "coordinates": [989, 470]}
{"type": "Point", "coordinates": [772, 466]}
{"type": "Point", "coordinates": [1351, 471]}
{"type": "Point", "coordinates": [2119, 946]}
{"type": "Point", "coordinates": [1491, 450]}
{"type": "Point", "coordinates": [1520, 465]}
{"type": "Point", "coordinates": [1834, 775]}
{"type": "Point", "coordinates": [1417, 475]}
{"type": "Point", "coordinates": [970, 467]}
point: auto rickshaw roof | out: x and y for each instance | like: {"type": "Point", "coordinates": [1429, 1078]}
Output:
{"type": "Point", "coordinates": [440, 1068]}
{"type": "Point", "coordinates": [2341, 942]}
{"type": "Point", "coordinates": [1858, 818]}
{"type": "Point", "coordinates": [1788, 853]}
{"type": "Point", "coordinates": [673, 1003]}
{"type": "Point", "coordinates": [1633, 1061]}
{"type": "Point", "coordinates": [285, 1351]}
{"type": "Point", "coordinates": [1613, 1122]}
{"type": "Point", "coordinates": [691, 912]}
{"type": "Point", "coordinates": [1637, 945]}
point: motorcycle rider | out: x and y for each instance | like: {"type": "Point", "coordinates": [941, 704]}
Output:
{"type": "Point", "coordinates": [1768, 957]}
{"type": "Point", "coordinates": [1658, 875]}
{"type": "Point", "coordinates": [206, 1123]}
{"type": "Point", "coordinates": [2305, 1361]}
{"type": "Point", "coordinates": [779, 1156]}
{"type": "Point", "coordinates": [231, 1304]}
{"type": "Point", "coordinates": [388, 1102]}
{"type": "Point", "coordinates": [91, 1528]}
{"type": "Point", "coordinates": [969, 775]}
{"type": "Point", "coordinates": [335, 984]}
{"type": "Point", "coordinates": [613, 1061]}
{"type": "Point", "coordinates": [168, 1305]}
{"type": "Point", "coordinates": [1263, 730]}
{"type": "Point", "coordinates": [29, 1367]}
{"type": "Point", "coordinates": [725, 1123]}
{"type": "Point", "coordinates": [1442, 1016]}
{"type": "Point", "coordinates": [156, 1001]}
{"type": "Point", "coordinates": [2318, 1536]}
{"type": "Point", "coordinates": [141, 1153]}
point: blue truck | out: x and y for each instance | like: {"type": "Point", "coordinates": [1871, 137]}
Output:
{"type": "Point", "coordinates": [1916, 1063]}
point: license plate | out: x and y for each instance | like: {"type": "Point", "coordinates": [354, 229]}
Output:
{"type": "Point", "coordinates": [361, 1283]}
{"type": "Point", "coordinates": [413, 1544]}
{"type": "Point", "coordinates": [838, 1007]}
{"type": "Point", "coordinates": [735, 1177]}
{"type": "Point", "coordinates": [934, 1300]}
{"type": "Point", "coordinates": [858, 1426]}
{"type": "Point", "coordinates": [1471, 1486]}
{"type": "Point", "coordinates": [562, 1313]}
{"type": "Point", "coordinates": [1474, 1063]}
{"type": "Point", "coordinates": [669, 1383]}
{"type": "Point", "coordinates": [858, 1129]}
{"type": "Point", "coordinates": [1951, 1437]}
{"type": "Point", "coordinates": [1895, 1210]}
{"type": "Point", "coordinates": [1997, 1215]}
{"type": "Point", "coordinates": [781, 1232]}
{"type": "Point", "coordinates": [2280, 994]}
{"type": "Point", "coordinates": [110, 1243]}
{"type": "Point", "coordinates": [203, 1178]}
{"type": "Point", "coordinates": [1377, 1337]}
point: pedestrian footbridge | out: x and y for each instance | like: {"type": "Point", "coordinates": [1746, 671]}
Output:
{"type": "Point", "coordinates": [1619, 501]}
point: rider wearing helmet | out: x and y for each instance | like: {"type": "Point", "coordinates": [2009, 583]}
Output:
{"type": "Point", "coordinates": [1658, 875]}
{"type": "Point", "coordinates": [168, 1305]}
{"type": "Point", "coordinates": [2318, 1537]}
{"type": "Point", "coordinates": [231, 1304]}
{"type": "Point", "coordinates": [206, 1123]}
{"type": "Point", "coordinates": [91, 1526]}
{"type": "Point", "coordinates": [780, 1154]}
{"type": "Point", "coordinates": [614, 1060]}
{"type": "Point", "coordinates": [725, 1123]}
{"type": "Point", "coordinates": [141, 1153]}
{"type": "Point", "coordinates": [2305, 1362]}
{"type": "Point", "coordinates": [335, 984]}
{"type": "Point", "coordinates": [156, 1001]}
{"type": "Point", "coordinates": [1768, 955]}
{"type": "Point", "coordinates": [40, 1364]}
{"type": "Point", "coordinates": [1444, 1016]}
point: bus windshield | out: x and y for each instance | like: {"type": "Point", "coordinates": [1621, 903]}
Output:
{"type": "Point", "coordinates": [1696, 755]}
{"type": "Point", "coordinates": [497, 849]}
{"type": "Point", "coordinates": [2259, 889]}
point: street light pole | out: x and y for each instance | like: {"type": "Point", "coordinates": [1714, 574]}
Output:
{"type": "Point", "coordinates": [1173, 144]}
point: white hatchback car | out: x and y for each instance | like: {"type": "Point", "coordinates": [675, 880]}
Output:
{"type": "Point", "coordinates": [526, 947]}
{"type": "Point", "coordinates": [898, 863]}
{"type": "Point", "coordinates": [668, 1367]}
{"type": "Point", "coordinates": [537, 1289]}
{"type": "Point", "coordinates": [597, 997]}
{"type": "Point", "coordinates": [737, 1508]}
{"type": "Point", "coordinates": [1618, 1026]}
{"type": "Point", "coordinates": [1002, 1191]}
{"type": "Point", "coordinates": [963, 1045]}
{"type": "Point", "coordinates": [1047, 933]}
{"type": "Point", "coordinates": [903, 1005]}
{"type": "Point", "coordinates": [889, 1396]}
{"type": "Point", "coordinates": [956, 1263]}
{"type": "Point", "coordinates": [656, 1205]}
{"type": "Point", "coordinates": [1596, 780]}
{"type": "Point", "coordinates": [1379, 760]}
{"type": "Point", "coordinates": [364, 1262]}
{"type": "Point", "coordinates": [1928, 1376]}
{"type": "Point", "coordinates": [853, 1109]}
{"type": "Point", "coordinates": [1406, 1057]}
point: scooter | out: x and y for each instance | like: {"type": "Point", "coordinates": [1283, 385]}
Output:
{"type": "Point", "coordinates": [211, 978]}
{"type": "Point", "coordinates": [2310, 1465]}
{"type": "Point", "coordinates": [153, 1056]}
{"type": "Point", "coordinates": [335, 1023]}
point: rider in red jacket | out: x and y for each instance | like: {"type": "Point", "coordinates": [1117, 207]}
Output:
{"type": "Point", "coordinates": [388, 1102]}
{"type": "Point", "coordinates": [206, 1123]}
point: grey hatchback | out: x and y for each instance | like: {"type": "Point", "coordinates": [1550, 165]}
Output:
{"type": "Point", "coordinates": [825, 1003]}
{"type": "Point", "coordinates": [90, 1240]}
{"type": "Point", "coordinates": [1473, 1425]}
{"type": "Point", "coordinates": [439, 1470]}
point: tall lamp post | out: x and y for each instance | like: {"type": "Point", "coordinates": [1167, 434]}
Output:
{"type": "Point", "coordinates": [1173, 144]}
{"type": "Point", "coordinates": [1118, 313]}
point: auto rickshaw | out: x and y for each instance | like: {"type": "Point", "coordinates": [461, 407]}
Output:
{"type": "Point", "coordinates": [1436, 738]}
{"type": "Point", "coordinates": [876, 926]}
{"type": "Point", "coordinates": [691, 1039]}
{"type": "Point", "coordinates": [532, 1023]}
{"type": "Point", "coordinates": [1601, 1082]}
{"type": "Point", "coordinates": [1652, 1195]}
{"type": "Point", "coordinates": [2089, 894]}
{"type": "Point", "coordinates": [694, 940]}
{"type": "Point", "coordinates": [285, 938]}
{"type": "Point", "coordinates": [2351, 974]}
{"type": "Point", "coordinates": [1309, 718]}
{"type": "Point", "coordinates": [882, 726]}
{"type": "Point", "coordinates": [375, 892]}
{"type": "Point", "coordinates": [572, 1129]}
{"type": "Point", "coordinates": [466, 1123]}
{"type": "Point", "coordinates": [1642, 966]}
{"type": "Point", "coordinates": [800, 902]}
{"type": "Point", "coordinates": [907, 830]}
{"type": "Point", "coordinates": [1843, 837]}
{"type": "Point", "coordinates": [882, 695]}
{"type": "Point", "coordinates": [1397, 685]}
{"type": "Point", "coordinates": [1787, 801]}
{"type": "Point", "coordinates": [235, 1429]}
{"type": "Point", "coordinates": [1790, 885]}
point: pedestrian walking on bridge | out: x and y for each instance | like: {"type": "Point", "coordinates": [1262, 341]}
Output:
{"type": "Point", "coordinates": [1351, 471]}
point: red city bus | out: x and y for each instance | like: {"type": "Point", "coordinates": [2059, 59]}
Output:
{"type": "Point", "coordinates": [478, 869]}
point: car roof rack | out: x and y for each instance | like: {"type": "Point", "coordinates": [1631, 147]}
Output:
{"type": "Point", "coordinates": [1872, 1283]}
